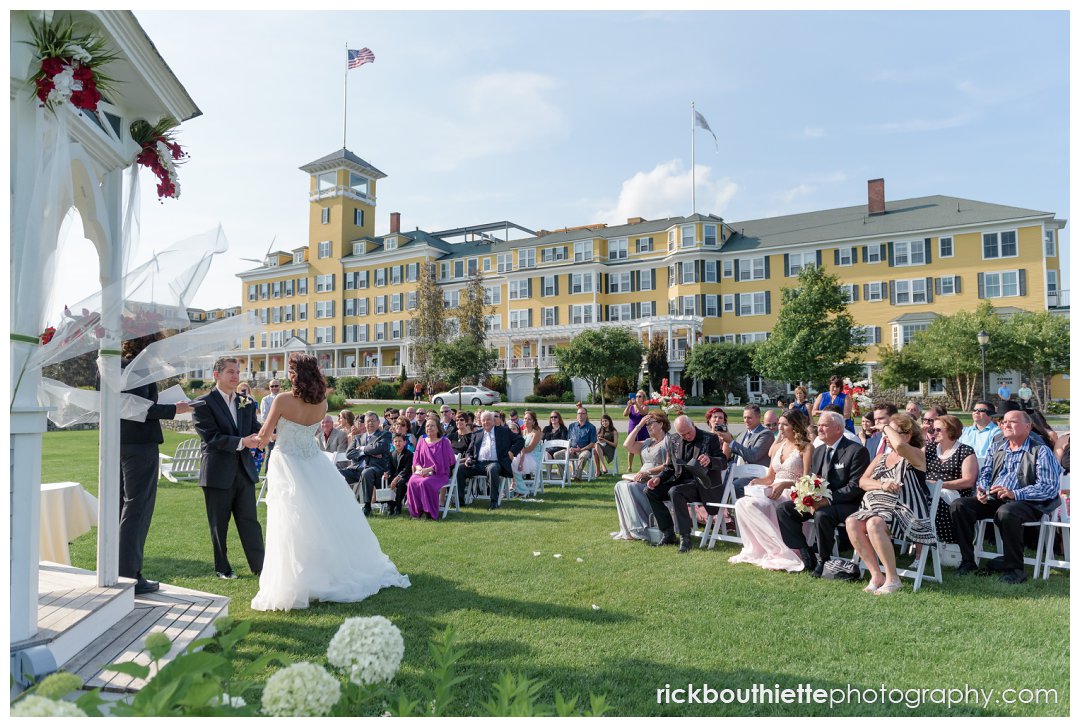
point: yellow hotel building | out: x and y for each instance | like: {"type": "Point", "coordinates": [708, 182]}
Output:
{"type": "Point", "coordinates": [348, 295]}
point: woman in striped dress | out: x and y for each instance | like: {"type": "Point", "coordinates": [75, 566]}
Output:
{"type": "Point", "coordinates": [896, 504]}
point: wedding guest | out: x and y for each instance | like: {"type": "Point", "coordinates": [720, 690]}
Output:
{"type": "Point", "coordinates": [928, 419]}
{"type": "Point", "coordinates": [556, 429]}
{"type": "Point", "coordinates": [1025, 394]}
{"type": "Point", "coordinates": [1019, 482]}
{"type": "Point", "coordinates": [370, 458]}
{"type": "Point", "coordinates": [397, 477]}
{"type": "Point", "coordinates": [763, 544]}
{"type": "Point", "coordinates": [490, 454]}
{"type": "Point", "coordinates": [840, 462]}
{"type": "Point", "coordinates": [513, 426]}
{"type": "Point", "coordinates": [447, 421]}
{"type": "Point", "coordinates": [329, 438]}
{"type": "Point", "coordinates": [800, 402]}
{"type": "Point", "coordinates": [848, 434]}
{"type": "Point", "coordinates": [952, 462]}
{"type": "Point", "coordinates": [771, 421]}
{"type": "Point", "coordinates": [401, 427]}
{"type": "Point", "coordinates": [913, 409]}
{"type": "Point", "coordinates": [896, 504]}
{"type": "Point", "coordinates": [139, 462]}
{"type": "Point", "coordinates": [264, 411]}
{"type": "Point", "coordinates": [752, 446]}
{"type": "Point", "coordinates": [631, 502]}
{"type": "Point", "coordinates": [605, 444]}
{"type": "Point", "coordinates": [691, 452]}
{"type": "Point", "coordinates": [882, 414]}
{"type": "Point", "coordinates": [866, 429]}
{"type": "Point", "coordinates": [980, 435]}
{"type": "Point", "coordinates": [462, 433]}
{"type": "Point", "coordinates": [431, 466]}
{"type": "Point", "coordinates": [346, 421]}
{"type": "Point", "coordinates": [835, 396]}
{"type": "Point", "coordinates": [527, 462]}
{"type": "Point", "coordinates": [636, 408]}
{"type": "Point", "coordinates": [717, 421]}
{"type": "Point", "coordinates": [515, 418]}
{"type": "Point", "coordinates": [581, 435]}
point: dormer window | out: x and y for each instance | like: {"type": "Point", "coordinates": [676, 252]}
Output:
{"type": "Point", "coordinates": [358, 248]}
{"type": "Point", "coordinates": [298, 256]}
{"type": "Point", "coordinates": [271, 261]}
{"type": "Point", "coordinates": [390, 243]}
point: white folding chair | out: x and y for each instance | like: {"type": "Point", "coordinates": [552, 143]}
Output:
{"type": "Point", "coordinates": [186, 463]}
{"type": "Point", "coordinates": [449, 493]}
{"type": "Point", "coordinates": [1060, 521]}
{"type": "Point", "coordinates": [716, 527]}
{"type": "Point", "coordinates": [549, 463]}
{"type": "Point", "coordinates": [918, 574]}
{"type": "Point", "coordinates": [980, 536]}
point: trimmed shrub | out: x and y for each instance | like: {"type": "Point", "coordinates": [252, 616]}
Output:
{"type": "Point", "coordinates": [551, 385]}
{"type": "Point", "coordinates": [568, 396]}
{"type": "Point", "coordinates": [331, 382]}
{"type": "Point", "coordinates": [405, 389]}
{"type": "Point", "coordinates": [347, 386]}
{"type": "Point", "coordinates": [383, 390]}
{"type": "Point", "coordinates": [195, 384]}
{"type": "Point", "coordinates": [496, 383]}
{"type": "Point", "coordinates": [536, 399]}
{"type": "Point", "coordinates": [335, 402]}
{"type": "Point", "coordinates": [1057, 407]}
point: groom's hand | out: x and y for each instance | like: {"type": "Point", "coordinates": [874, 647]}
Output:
{"type": "Point", "coordinates": [251, 441]}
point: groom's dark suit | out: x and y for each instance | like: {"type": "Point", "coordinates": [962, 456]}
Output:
{"type": "Point", "coordinates": [228, 476]}
{"type": "Point", "coordinates": [849, 461]}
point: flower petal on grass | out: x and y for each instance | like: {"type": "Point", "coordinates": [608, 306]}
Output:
{"type": "Point", "coordinates": [536, 553]}
{"type": "Point", "coordinates": [558, 555]}
{"type": "Point", "coordinates": [595, 607]}
{"type": "Point", "coordinates": [580, 560]}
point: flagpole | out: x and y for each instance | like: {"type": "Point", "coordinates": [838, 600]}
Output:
{"type": "Point", "coordinates": [693, 165]}
{"type": "Point", "coordinates": [345, 103]}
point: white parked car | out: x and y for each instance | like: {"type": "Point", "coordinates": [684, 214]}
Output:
{"type": "Point", "coordinates": [475, 395]}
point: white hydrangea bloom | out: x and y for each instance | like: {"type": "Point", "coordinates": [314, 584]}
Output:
{"type": "Point", "coordinates": [226, 700]}
{"type": "Point", "coordinates": [300, 690]}
{"type": "Point", "coordinates": [64, 84]}
{"type": "Point", "coordinates": [35, 706]}
{"type": "Point", "coordinates": [370, 648]}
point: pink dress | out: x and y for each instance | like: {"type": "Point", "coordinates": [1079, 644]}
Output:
{"type": "Point", "coordinates": [423, 492]}
{"type": "Point", "coordinates": [762, 543]}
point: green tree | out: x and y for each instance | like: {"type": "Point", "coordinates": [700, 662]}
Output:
{"type": "Point", "coordinates": [1040, 346]}
{"type": "Point", "coordinates": [656, 362]}
{"type": "Point", "coordinates": [429, 320]}
{"type": "Point", "coordinates": [462, 360]}
{"type": "Point", "coordinates": [598, 354]}
{"type": "Point", "coordinates": [472, 310]}
{"type": "Point", "coordinates": [724, 365]}
{"type": "Point", "coordinates": [813, 337]}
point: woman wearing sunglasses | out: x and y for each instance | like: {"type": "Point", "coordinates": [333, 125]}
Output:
{"type": "Point", "coordinates": [952, 462]}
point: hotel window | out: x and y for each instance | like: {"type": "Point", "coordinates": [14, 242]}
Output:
{"type": "Point", "coordinates": [251, 342]}
{"type": "Point", "coordinates": [493, 295]}
{"type": "Point", "coordinates": [848, 291]}
{"type": "Point", "coordinates": [380, 277]}
{"type": "Point", "coordinates": [618, 249]}
{"type": "Point", "coordinates": [395, 275]}
{"type": "Point", "coordinates": [505, 262]}
{"type": "Point", "coordinates": [999, 244]}
{"type": "Point", "coordinates": [410, 300]}
{"type": "Point", "coordinates": [581, 314]}
{"type": "Point", "coordinates": [487, 265]}
{"type": "Point", "coordinates": [390, 243]}
{"type": "Point", "coordinates": [324, 334]}
{"type": "Point", "coordinates": [644, 244]}
{"type": "Point", "coordinates": [686, 238]}
{"type": "Point", "coordinates": [712, 305]}
{"type": "Point", "coordinates": [350, 281]}
{"type": "Point", "coordinates": [412, 272]}
{"type": "Point", "coordinates": [395, 302]}
{"type": "Point", "coordinates": [752, 337]}
{"type": "Point", "coordinates": [872, 253]}
{"type": "Point", "coordinates": [358, 183]}
{"type": "Point", "coordinates": [275, 314]}
{"type": "Point", "coordinates": [289, 312]}
{"type": "Point", "coordinates": [451, 298]}
{"type": "Point", "coordinates": [689, 272]}
{"type": "Point", "coordinates": [709, 234]}
{"type": "Point", "coordinates": [301, 312]}
{"type": "Point", "coordinates": [459, 269]}
{"type": "Point", "coordinates": [728, 268]}
{"type": "Point", "coordinates": [752, 304]}
{"type": "Point", "coordinates": [395, 329]}
{"type": "Point", "coordinates": [902, 334]}
{"type": "Point", "coordinates": [581, 283]}
{"type": "Point", "coordinates": [845, 256]}
{"type": "Point", "coordinates": [492, 323]}
{"type": "Point", "coordinates": [519, 289]}
{"type": "Point", "coordinates": [362, 306]}
{"type": "Point", "coordinates": [298, 256]}
{"type": "Point", "coordinates": [262, 340]}
{"type": "Point", "coordinates": [473, 266]}
{"type": "Point", "coordinates": [264, 291]}
{"type": "Point", "coordinates": [519, 319]}
{"type": "Point", "coordinates": [550, 316]}
{"type": "Point", "coordinates": [799, 260]}
{"type": "Point", "coordinates": [527, 257]}
{"type": "Point", "coordinates": [873, 292]}
{"type": "Point", "coordinates": [946, 285]}
{"type": "Point", "coordinates": [671, 240]}
{"type": "Point", "coordinates": [324, 309]}
{"type": "Point", "coordinates": [380, 331]}
{"type": "Point", "coordinates": [289, 288]}
{"type": "Point", "coordinates": [555, 254]}
{"type": "Point", "coordinates": [909, 253]}
{"type": "Point", "coordinates": [648, 308]}
{"type": "Point", "coordinates": [648, 279]}
{"type": "Point", "coordinates": [253, 292]}
{"type": "Point", "coordinates": [362, 279]}
{"type": "Point", "coordinates": [909, 291]}
{"type": "Point", "coordinates": [444, 271]}
{"type": "Point", "coordinates": [326, 215]}
{"type": "Point", "coordinates": [1001, 285]}
{"type": "Point", "coordinates": [729, 303]}
{"type": "Point", "coordinates": [380, 304]}
{"type": "Point", "coordinates": [710, 271]}
{"type": "Point", "coordinates": [358, 217]}
{"type": "Point", "coordinates": [622, 312]}
{"type": "Point", "coordinates": [945, 247]}
{"type": "Point", "coordinates": [324, 283]}
{"type": "Point", "coordinates": [1050, 244]}
{"type": "Point", "coordinates": [548, 283]}
{"type": "Point", "coordinates": [1051, 282]}
{"type": "Point", "coordinates": [752, 269]}
{"type": "Point", "coordinates": [619, 282]}
{"type": "Point", "coordinates": [324, 249]}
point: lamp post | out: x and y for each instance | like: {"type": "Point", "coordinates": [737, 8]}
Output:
{"type": "Point", "coordinates": [984, 340]}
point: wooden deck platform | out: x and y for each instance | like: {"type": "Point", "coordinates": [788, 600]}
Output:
{"type": "Point", "coordinates": [87, 627]}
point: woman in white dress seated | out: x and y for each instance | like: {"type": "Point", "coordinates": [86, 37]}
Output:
{"type": "Point", "coordinates": [528, 460]}
{"type": "Point", "coordinates": [756, 511]}
{"type": "Point", "coordinates": [319, 545]}
{"type": "Point", "coordinates": [630, 501]}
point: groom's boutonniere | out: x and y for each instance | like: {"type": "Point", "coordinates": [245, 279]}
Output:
{"type": "Point", "coordinates": [243, 401]}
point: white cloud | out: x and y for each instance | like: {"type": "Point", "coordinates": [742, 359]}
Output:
{"type": "Point", "coordinates": [665, 191]}
{"type": "Point", "coordinates": [813, 132]}
{"type": "Point", "coordinates": [917, 125]}
{"type": "Point", "coordinates": [498, 113]}
{"type": "Point", "coordinates": [790, 195]}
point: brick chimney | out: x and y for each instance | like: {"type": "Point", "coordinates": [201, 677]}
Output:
{"type": "Point", "coordinates": [635, 220]}
{"type": "Point", "coordinates": [395, 222]}
{"type": "Point", "coordinates": [875, 191]}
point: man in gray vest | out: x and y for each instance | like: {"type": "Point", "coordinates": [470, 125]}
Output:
{"type": "Point", "coordinates": [1018, 483]}
{"type": "Point", "coordinates": [752, 446]}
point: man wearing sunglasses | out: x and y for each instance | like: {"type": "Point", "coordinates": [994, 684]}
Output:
{"type": "Point", "coordinates": [980, 435]}
{"type": "Point", "coordinates": [264, 411]}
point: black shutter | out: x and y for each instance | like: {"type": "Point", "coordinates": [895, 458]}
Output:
{"type": "Point", "coordinates": [556, 284]}
{"type": "Point", "coordinates": [766, 266]}
{"type": "Point", "coordinates": [1023, 281]}
{"type": "Point", "coordinates": [877, 334]}
{"type": "Point", "coordinates": [882, 251]}
{"type": "Point", "coordinates": [929, 290]}
{"type": "Point", "coordinates": [787, 265]}
{"type": "Point", "coordinates": [818, 252]}
{"type": "Point", "coordinates": [735, 268]}
{"type": "Point", "coordinates": [937, 286]}
{"type": "Point", "coordinates": [926, 248]}
{"type": "Point", "coordinates": [854, 293]}
{"type": "Point", "coordinates": [700, 277]}
{"type": "Point", "coordinates": [528, 293]}
{"type": "Point", "coordinates": [956, 284]}
{"type": "Point", "coordinates": [768, 302]}
{"type": "Point", "coordinates": [982, 286]}
{"type": "Point", "coordinates": [737, 304]}
{"type": "Point", "coordinates": [701, 304]}
{"type": "Point", "coordinates": [866, 290]}
{"type": "Point", "coordinates": [864, 253]}
{"type": "Point", "coordinates": [529, 317]}
{"type": "Point", "coordinates": [556, 315]}
{"type": "Point", "coordinates": [635, 310]}
{"type": "Point", "coordinates": [890, 255]}
{"type": "Point", "coordinates": [836, 257]}
{"type": "Point", "coordinates": [892, 292]}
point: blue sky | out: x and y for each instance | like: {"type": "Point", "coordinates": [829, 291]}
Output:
{"type": "Point", "coordinates": [567, 118]}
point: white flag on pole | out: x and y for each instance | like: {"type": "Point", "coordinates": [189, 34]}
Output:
{"type": "Point", "coordinates": [700, 122]}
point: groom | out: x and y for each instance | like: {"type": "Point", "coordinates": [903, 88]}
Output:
{"type": "Point", "coordinates": [228, 427]}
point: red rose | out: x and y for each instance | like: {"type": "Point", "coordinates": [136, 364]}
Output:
{"type": "Point", "coordinates": [84, 74]}
{"type": "Point", "coordinates": [808, 501]}
{"type": "Point", "coordinates": [52, 66]}
{"type": "Point", "coordinates": [47, 335]}
{"type": "Point", "coordinates": [794, 495]}
{"type": "Point", "coordinates": [44, 88]}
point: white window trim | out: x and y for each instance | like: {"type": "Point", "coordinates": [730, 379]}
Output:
{"type": "Point", "coordinates": [911, 291]}
{"type": "Point", "coordinates": [999, 233]}
{"type": "Point", "coordinates": [909, 245]}
{"type": "Point", "coordinates": [952, 246]}
{"type": "Point", "coordinates": [852, 252]}
{"type": "Point", "coordinates": [1000, 275]}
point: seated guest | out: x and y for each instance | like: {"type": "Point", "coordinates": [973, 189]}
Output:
{"type": "Point", "coordinates": [752, 446]}
{"type": "Point", "coordinates": [763, 545]}
{"type": "Point", "coordinates": [896, 504]}
{"type": "Point", "coordinates": [490, 454]}
{"type": "Point", "coordinates": [840, 462]}
{"type": "Point", "coordinates": [461, 435]}
{"type": "Point", "coordinates": [631, 503]}
{"type": "Point", "coordinates": [402, 427]}
{"type": "Point", "coordinates": [771, 421]}
{"type": "Point", "coordinates": [431, 469]}
{"type": "Point", "coordinates": [1019, 482]}
{"type": "Point", "coordinates": [447, 420]}
{"type": "Point", "coordinates": [528, 459]}
{"type": "Point", "coordinates": [716, 421]}
{"type": "Point", "coordinates": [952, 462]}
{"type": "Point", "coordinates": [913, 409]}
{"type": "Point", "coordinates": [835, 397]}
{"type": "Point", "coordinates": [397, 477]}
{"type": "Point", "coordinates": [582, 437]}
{"type": "Point", "coordinates": [370, 457]}
{"type": "Point", "coordinates": [1061, 451]}
{"type": "Point", "coordinates": [980, 435]}
{"type": "Point", "coordinates": [882, 414]}
{"type": "Point", "coordinates": [515, 418]}
{"type": "Point", "coordinates": [866, 428]}
{"type": "Point", "coordinates": [606, 438]}
{"type": "Point", "coordinates": [389, 415]}
{"type": "Point", "coordinates": [800, 402]}
{"type": "Point", "coordinates": [346, 420]}
{"type": "Point", "coordinates": [848, 434]}
{"type": "Point", "coordinates": [420, 424]}
{"type": "Point", "coordinates": [928, 419]}
{"type": "Point", "coordinates": [693, 472]}
{"type": "Point", "coordinates": [513, 426]}
{"type": "Point", "coordinates": [331, 439]}
{"type": "Point", "coordinates": [1040, 426]}
{"type": "Point", "coordinates": [556, 429]}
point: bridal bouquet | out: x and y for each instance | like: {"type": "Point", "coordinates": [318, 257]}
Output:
{"type": "Point", "coordinates": [671, 398]}
{"type": "Point", "coordinates": [809, 489]}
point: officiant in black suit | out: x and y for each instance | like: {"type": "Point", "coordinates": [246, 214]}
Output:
{"type": "Point", "coordinates": [840, 462]}
{"type": "Point", "coordinates": [228, 426]}
{"type": "Point", "coordinates": [489, 454]}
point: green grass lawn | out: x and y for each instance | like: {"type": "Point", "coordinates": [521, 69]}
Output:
{"type": "Point", "coordinates": [664, 618]}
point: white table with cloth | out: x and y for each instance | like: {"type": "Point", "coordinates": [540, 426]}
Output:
{"type": "Point", "coordinates": [67, 511]}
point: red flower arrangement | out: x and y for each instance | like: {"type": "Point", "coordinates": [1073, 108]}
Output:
{"type": "Point", "coordinates": [69, 65]}
{"type": "Point", "coordinates": [160, 154]}
{"type": "Point", "coordinates": [47, 335]}
{"type": "Point", "coordinates": [670, 398]}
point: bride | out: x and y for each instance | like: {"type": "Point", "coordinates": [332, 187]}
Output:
{"type": "Point", "coordinates": [319, 545]}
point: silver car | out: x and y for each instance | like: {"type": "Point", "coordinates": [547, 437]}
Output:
{"type": "Point", "coordinates": [475, 395]}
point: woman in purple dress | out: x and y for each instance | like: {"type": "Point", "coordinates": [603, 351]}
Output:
{"type": "Point", "coordinates": [432, 464]}
{"type": "Point", "coordinates": [635, 411]}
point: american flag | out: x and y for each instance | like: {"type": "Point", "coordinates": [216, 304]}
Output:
{"type": "Point", "coordinates": [357, 58]}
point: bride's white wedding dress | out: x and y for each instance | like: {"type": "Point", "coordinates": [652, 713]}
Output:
{"type": "Point", "coordinates": [319, 545]}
